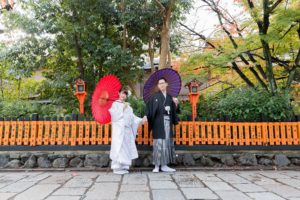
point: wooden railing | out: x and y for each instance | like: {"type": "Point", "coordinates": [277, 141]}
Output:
{"type": "Point", "coordinates": [74, 133]}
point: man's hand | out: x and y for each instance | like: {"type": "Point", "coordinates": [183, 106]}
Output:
{"type": "Point", "coordinates": [175, 100]}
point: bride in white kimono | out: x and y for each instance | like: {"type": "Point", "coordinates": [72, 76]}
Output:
{"type": "Point", "coordinates": [124, 130]}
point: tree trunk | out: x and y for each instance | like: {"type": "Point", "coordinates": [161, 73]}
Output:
{"type": "Point", "coordinates": [295, 66]}
{"type": "Point", "coordinates": [151, 54]}
{"type": "Point", "coordinates": [291, 76]}
{"type": "Point", "coordinates": [165, 34]}
{"type": "Point", "coordinates": [263, 26]}
{"type": "Point", "coordinates": [164, 48]}
{"type": "Point", "coordinates": [269, 66]}
{"type": "Point", "coordinates": [169, 62]}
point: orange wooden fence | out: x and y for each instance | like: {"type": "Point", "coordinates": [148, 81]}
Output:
{"type": "Point", "coordinates": [74, 133]}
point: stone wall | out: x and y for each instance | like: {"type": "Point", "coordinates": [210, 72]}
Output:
{"type": "Point", "coordinates": [183, 159]}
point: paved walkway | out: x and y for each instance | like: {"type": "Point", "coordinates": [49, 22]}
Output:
{"type": "Point", "coordinates": [239, 185]}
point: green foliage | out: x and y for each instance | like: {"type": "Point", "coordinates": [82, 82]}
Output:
{"type": "Point", "coordinates": [20, 89]}
{"type": "Point", "coordinates": [243, 52]}
{"type": "Point", "coordinates": [73, 38]}
{"type": "Point", "coordinates": [137, 105]}
{"type": "Point", "coordinates": [185, 111]}
{"type": "Point", "coordinates": [250, 105]}
{"type": "Point", "coordinates": [206, 108]}
{"type": "Point", "coordinates": [26, 108]}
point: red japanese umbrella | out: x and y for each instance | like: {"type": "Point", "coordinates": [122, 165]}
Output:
{"type": "Point", "coordinates": [105, 93]}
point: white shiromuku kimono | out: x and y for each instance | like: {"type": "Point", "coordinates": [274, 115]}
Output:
{"type": "Point", "coordinates": [124, 130]}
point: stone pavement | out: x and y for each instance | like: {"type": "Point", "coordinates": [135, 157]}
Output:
{"type": "Point", "coordinates": [231, 185]}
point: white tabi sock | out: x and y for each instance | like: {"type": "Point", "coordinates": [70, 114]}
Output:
{"type": "Point", "coordinates": [156, 169]}
{"type": "Point", "coordinates": [165, 168]}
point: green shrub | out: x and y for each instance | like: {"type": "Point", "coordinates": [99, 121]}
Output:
{"type": "Point", "coordinates": [206, 108]}
{"type": "Point", "coordinates": [27, 108]}
{"type": "Point", "coordinates": [137, 105]}
{"type": "Point", "coordinates": [185, 111]}
{"type": "Point", "coordinates": [250, 105]}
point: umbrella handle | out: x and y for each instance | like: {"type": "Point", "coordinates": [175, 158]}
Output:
{"type": "Point", "coordinates": [104, 99]}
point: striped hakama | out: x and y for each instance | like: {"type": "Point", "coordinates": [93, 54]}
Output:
{"type": "Point", "coordinates": [163, 149]}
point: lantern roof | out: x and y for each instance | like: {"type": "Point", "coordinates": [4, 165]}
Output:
{"type": "Point", "coordinates": [193, 82]}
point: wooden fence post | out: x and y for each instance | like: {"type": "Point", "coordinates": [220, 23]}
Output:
{"type": "Point", "coordinates": [80, 130]}
{"type": "Point", "coordinates": [222, 132]}
{"type": "Point", "coordinates": [20, 124]}
{"type": "Point", "coordinates": [106, 133]}
{"type": "Point", "coordinates": [100, 134]}
{"type": "Point", "coordinates": [66, 135]}
{"type": "Point", "coordinates": [74, 130]}
{"type": "Point", "coordinates": [146, 134]}
{"type": "Point", "coordinates": [60, 124]}
{"type": "Point", "coordinates": [178, 130]}
{"type": "Point", "coordinates": [53, 124]}
{"type": "Point", "coordinates": [197, 133]}
{"type": "Point", "coordinates": [87, 129]}
{"type": "Point", "coordinates": [46, 138]}
{"type": "Point", "coordinates": [12, 139]}
{"type": "Point", "coordinates": [33, 131]}
{"type": "Point", "coordinates": [94, 133]}
{"type": "Point", "coordinates": [298, 122]}
{"type": "Point", "coordinates": [7, 124]}
{"type": "Point", "coordinates": [191, 133]}
{"type": "Point", "coordinates": [40, 131]}
{"type": "Point", "coordinates": [1, 129]}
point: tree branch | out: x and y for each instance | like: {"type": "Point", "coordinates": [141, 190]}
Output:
{"type": "Point", "coordinates": [235, 45]}
{"type": "Point", "coordinates": [250, 3]}
{"type": "Point", "coordinates": [224, 82]}
{"type": "Point", "coordinates": [292, 26]}
{"type": "Point", "coordinates": [160, 5]}
{"type": "Point", "coordinates": [282, 63]}
{"type": "Point", "coordinates": [275, 5]}
{"type": "Point", "coordinates": [234, 65]}
{"type": "Point", "coordinates": [296, 65]}
{"type": "Point", "coordinates": [198, 34]}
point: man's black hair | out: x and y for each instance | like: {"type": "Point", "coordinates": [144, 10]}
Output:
{"type": "Point", "coordinates": [162, 78]}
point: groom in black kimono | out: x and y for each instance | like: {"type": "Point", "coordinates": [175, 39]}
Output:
{"type": "Point", "coordinates": [161, 116]}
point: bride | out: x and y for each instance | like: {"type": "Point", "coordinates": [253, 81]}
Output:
{"type": "Point", "coordinates": [124, 130]}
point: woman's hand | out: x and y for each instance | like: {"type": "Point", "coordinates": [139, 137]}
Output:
{"type": "Point", "coordinates": [144, 120]}
{"type": "Point", "coordinates": [125, 105]}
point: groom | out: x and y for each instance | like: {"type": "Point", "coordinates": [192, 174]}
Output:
{"type": "Point", "coordinates": [161, 116]}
